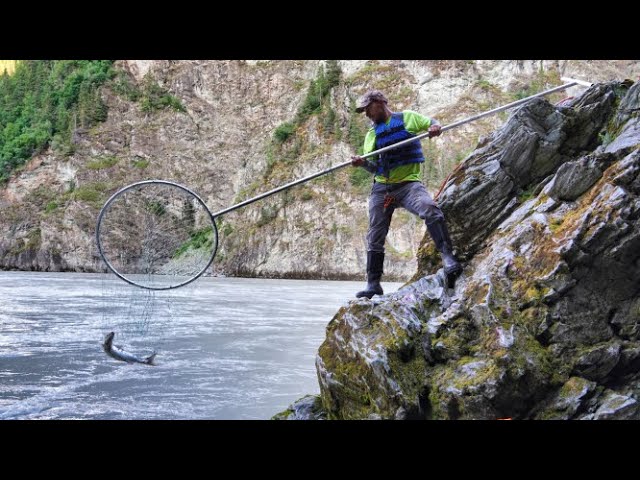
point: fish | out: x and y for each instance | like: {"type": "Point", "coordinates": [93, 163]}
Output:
{"type": "Point", "coordinates": [116, 351]}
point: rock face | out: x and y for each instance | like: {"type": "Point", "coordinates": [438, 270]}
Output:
{"type": "Point", "coordinates": [306, 408]}
{"type": "Point", "coordinates": [222, 147]}
{"type": "Point", "coordinates": [544, 322]}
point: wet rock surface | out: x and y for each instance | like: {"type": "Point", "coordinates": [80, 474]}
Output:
{"type": "Point", "coordinates": [544, 321]}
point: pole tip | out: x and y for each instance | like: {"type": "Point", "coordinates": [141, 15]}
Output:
{"type": "Point", "coordinates": [579, 82]}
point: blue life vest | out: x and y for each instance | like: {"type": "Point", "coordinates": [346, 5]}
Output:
{"type": "Point", "coordinates": [392, 133]}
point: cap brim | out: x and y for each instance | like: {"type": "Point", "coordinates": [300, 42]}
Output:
{"type": "Point", "coordinates": [360, 109]}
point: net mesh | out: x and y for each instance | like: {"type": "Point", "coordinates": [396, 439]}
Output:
{"type": "Point", "coordinates": [143, 320]}
{"type": "Point", "coordinates": [157, 235]}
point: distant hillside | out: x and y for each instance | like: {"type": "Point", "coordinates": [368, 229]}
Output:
{"type": "Point", "coordinates": [74, 132]}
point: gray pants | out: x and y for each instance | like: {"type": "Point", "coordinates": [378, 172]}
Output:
{"type": "Point", "coordinates": [411, 195]}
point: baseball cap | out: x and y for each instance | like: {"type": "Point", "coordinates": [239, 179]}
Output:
{"type": "Point", "coordinates": [367, 98]}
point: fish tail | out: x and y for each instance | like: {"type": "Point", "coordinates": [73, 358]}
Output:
{"type": "Point", "coordinates": [150, 358]}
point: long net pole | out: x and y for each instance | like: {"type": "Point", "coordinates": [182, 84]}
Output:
{"type": "Point", "coordinates": [396, 145]}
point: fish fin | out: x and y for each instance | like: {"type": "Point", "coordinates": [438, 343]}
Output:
{"type": "Point", "coordinates": [150, 358]}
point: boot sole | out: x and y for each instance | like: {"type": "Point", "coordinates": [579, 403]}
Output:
{"type": "Point", "coordinates": [367, 294]}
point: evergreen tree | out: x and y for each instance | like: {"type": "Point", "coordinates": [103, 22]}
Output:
{"type": "Point", "coordinates": [43, 102]}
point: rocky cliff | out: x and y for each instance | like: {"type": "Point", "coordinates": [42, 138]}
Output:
{"type": "Point", "coordinates": [544, 322]}
{"type": "Point", "coordinates": [242, 127]}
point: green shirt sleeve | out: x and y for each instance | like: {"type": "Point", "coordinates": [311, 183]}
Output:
{"type": "Point", "coordinates": [415, 123]}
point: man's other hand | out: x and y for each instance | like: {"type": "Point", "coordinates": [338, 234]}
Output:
{"type": "Point", "coordinates": [435, 130]}
{"type": "Point", "coordinates": [357, 161]}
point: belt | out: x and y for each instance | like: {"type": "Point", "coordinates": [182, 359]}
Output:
{"type": "Point", "coordinates": [394, 186]}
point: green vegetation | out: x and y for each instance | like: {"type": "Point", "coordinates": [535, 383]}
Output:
{"type": "Point", "coordinates": [290, 143]}
{"type": "Point", "coordinates": [543, 80]}
{"type": "Point", "coordinates": [151, 96]}
{"type": "Point", "coordinates": [91, 193]}
{"type": "Point", "coordinates": [154, 97]}
{"type": "Point", "coordinates": [199, 239]}
{"type": "Point", "coordinates": [440, 162]}
{"type": "Point", "coordinates": [103, 162]}
{"type": "Point", "coordinates": [525, 195]}
{"type": "Point", "coordinates": [124, 86]}
{"type": "Point", "coordinates": [360, 178]}
{"type": "Point", "coordinates": [141, 164]}
{"type": "Point", "coordinates": [156, 208]}
{"type": "Point", "coordinates": [224, 228]}
{"type": "Point", "coordinates": [44, 102]}
{"type": "Point", "coordinates": [51, 206]}
{"type": "Point", "coordinates": [283, 132]}
{"type": "Point", "coordinates": [268, 213]}
{"type": "Point", "coordinates": [316, 102]}
{"type": "Point", "coordinates": [306, 194]}
{"type": "Point", "coordinates": [386, 77]}
{"type": "Point", "coordinates": [318, 91]}
{"type": "Point", "coordinates": [613, 128]}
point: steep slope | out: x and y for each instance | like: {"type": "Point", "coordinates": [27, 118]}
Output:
{"type": "Point", "coordinates": [233, 129]}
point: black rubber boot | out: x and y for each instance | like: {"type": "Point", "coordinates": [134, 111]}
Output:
{"type": "Point", "coordinates": [440, 234]}
{"type": "Point", "coordinates": [375, 260]}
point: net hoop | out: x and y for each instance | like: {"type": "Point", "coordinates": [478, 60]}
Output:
{"type": "Point", "coordinates": [105, 208]}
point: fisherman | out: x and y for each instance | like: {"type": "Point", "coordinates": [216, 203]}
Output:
{"type": "Point", "coordinates": [397, 184]}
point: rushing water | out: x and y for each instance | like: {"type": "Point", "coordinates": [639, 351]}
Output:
{"type": "Point", "coordinates": [233, 348]}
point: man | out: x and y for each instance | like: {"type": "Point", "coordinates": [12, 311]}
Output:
{"type": "Point", "coordinates": [397, 184]}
